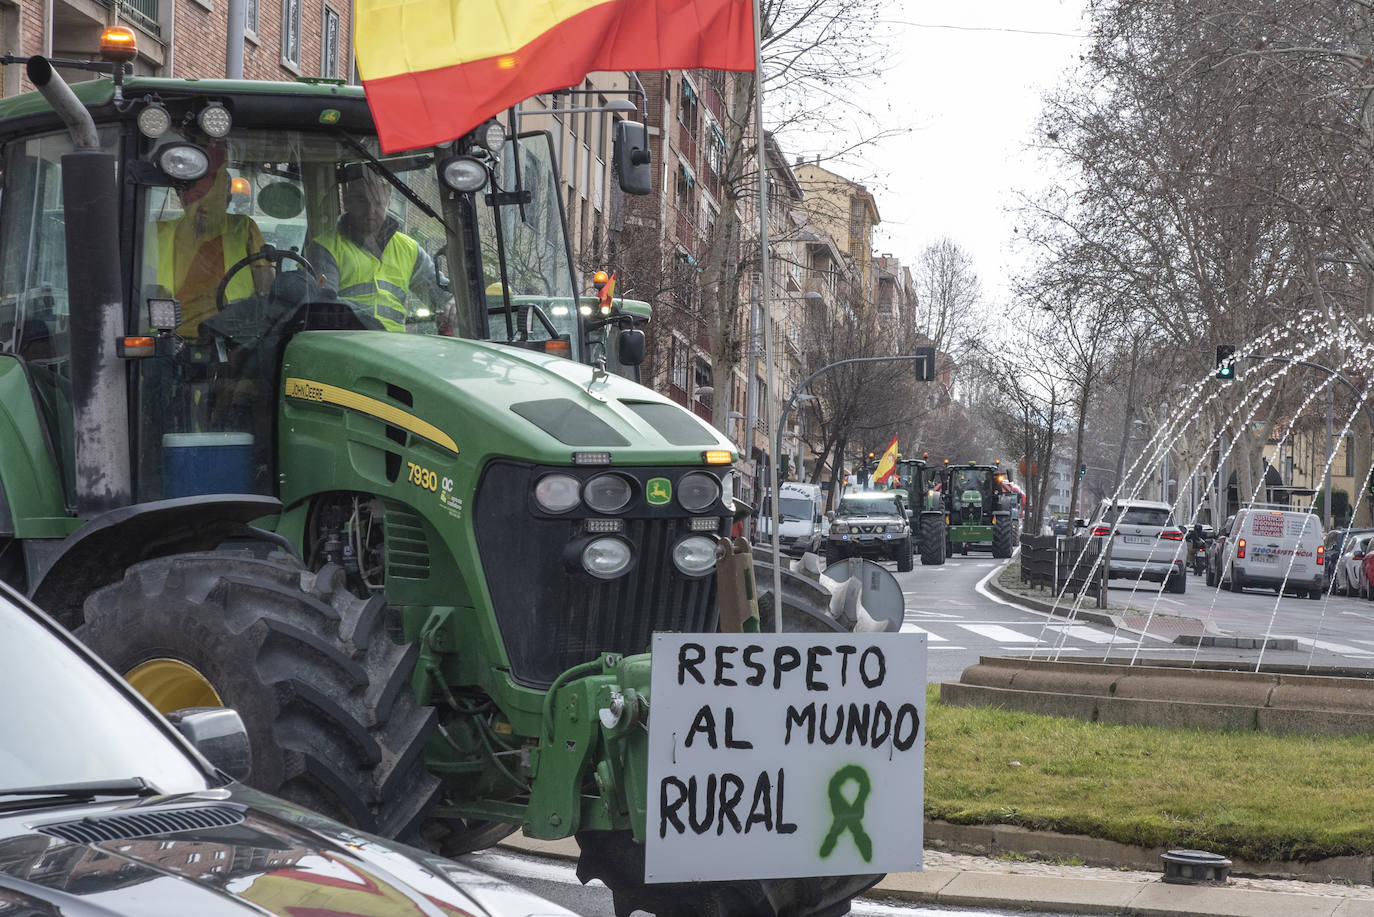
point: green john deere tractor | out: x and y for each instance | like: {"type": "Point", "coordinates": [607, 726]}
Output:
{"type": "Point", "coordinates": [980, 513]}
{"type": "Point", "coordinates": [422, 555]}
{"type": "Point", "coordinates": [919, 480]}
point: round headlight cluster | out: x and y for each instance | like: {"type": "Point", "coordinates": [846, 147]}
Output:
{"type": "Point", "coordinates": [697, 491]}
{"type": "Point", "coordinates": [695, 555]}
{"type": "Point", "coordinates": [214, 119]}
{"type": "Point", "coordinates": [557, 493]}
{"type": "Point", "coordinates": [154, 121]}
{"type": "Point", "coordinates": [608, 493]}
{"type": "Point", "coordinates": [607, 558]}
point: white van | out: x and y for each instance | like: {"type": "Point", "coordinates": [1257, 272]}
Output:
{"type": "Point", "coordinates": [801, 524]}
{"type": "Point", "coordinates": [1272, 547]}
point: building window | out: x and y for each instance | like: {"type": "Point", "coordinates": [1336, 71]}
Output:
{"type": "Point", "coordinates": [687, 107]}
{"type": "Point", "coordinates": [329, 45]}
{"type": "Point", "coordinates": [291, 32]}
{"type": "Point", "coordinates": [250, 17]}
{"type": "Point", "coordinates": [684, 194]}
{"type": "Point", "coordinates": [680, 360]}
{"type": "Point", "coordinates": [1349, 456]}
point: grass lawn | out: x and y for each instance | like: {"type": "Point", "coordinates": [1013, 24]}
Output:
{"type": "Point", "coordinates": [1250, 795]}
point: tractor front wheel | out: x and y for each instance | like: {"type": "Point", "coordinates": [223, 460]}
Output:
{"type": "Point", "coordinates": [323, 690]}
{"type": "Point", "coordinates": [1003, 537]}
{"type": "Point", "coordinates": [932, 540]}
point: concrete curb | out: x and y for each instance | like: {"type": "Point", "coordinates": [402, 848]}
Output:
{"type": "Point", "coordinates": [970, 888]}
{"type": "Point", "coordinates": [1083, 614]}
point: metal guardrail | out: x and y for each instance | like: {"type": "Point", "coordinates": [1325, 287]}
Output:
{"type": "Point", "coordinates": [1066, 563]}
{"type": "Point", "coordinates": [142, 13]}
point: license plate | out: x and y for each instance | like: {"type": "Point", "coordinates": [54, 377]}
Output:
{"type": "Point", "coordinates": [1137, 539]}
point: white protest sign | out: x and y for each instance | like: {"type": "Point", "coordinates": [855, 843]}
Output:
{"type": "Point", "coordinates": [785, 755]}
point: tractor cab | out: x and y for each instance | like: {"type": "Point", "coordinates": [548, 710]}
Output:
{"type": "Point", "coordinates": [979, 508]}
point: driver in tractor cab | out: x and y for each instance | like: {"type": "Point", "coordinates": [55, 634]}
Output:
{"type": "Point", "coordinates": [367, 260]}
{"type": "Point", "coordinates": [196, 249]}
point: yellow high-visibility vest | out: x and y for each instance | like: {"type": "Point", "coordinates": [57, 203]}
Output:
{"type": "Point", "coordinates": [381, 284]}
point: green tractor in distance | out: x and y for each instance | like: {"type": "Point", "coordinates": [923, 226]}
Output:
{"type": "Point", "coordinates": [421, 551]}
{"type": "Point", "coordinates": [980, 512]}
{"type": "Point", "coordinates": [920, 481]}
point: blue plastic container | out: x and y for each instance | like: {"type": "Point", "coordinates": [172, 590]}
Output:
{"type": "Point", "coordinates": [207, 463]}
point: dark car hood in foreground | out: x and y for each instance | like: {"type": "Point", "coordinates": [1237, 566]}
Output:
{"type": "Point", "coordinates": [228, 852]}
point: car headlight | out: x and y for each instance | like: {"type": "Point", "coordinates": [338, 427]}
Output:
{"type": "Point", "coordinates": [697, 491]}
{"type": "Point", "coordinates": [695, 555]}
{"type": "Point", "coordinates": [880, 529]}
{"type": "Point", "coordinates": [557, 493]}
{"type": "Point", "coordinates": [608, 493]}
{"type": "Point", "coordinates": [607, 558]}
{"type": "Point", "coordinates": [839, 528]}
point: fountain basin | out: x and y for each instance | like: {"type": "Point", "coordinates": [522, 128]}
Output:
{"type": "Point", "coordinates": [1163, 693]}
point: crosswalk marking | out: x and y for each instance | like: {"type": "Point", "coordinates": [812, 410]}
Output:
{"type": "Point", "coordinates": [930, 638]}
{"type": "Point", "coordinates": [1340, 648]}
{"type": "Point", "coordinates": [1091, 634]}
{"type": "Point", "coordinates": [998, 633]}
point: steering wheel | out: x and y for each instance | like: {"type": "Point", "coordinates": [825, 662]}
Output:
{"type": "Point", "coordinates": [269, 253]}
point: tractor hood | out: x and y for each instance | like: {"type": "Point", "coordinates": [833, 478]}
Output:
{"type": "Point", "coordinates": [501, 399]}
{"type": "Point", "coordinates": [230, 852]}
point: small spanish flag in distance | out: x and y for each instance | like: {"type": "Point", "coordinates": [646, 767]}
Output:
{"type": "Point", "coordinates": [436, 69]}
{"type": "Point", "coordinates": [887, 464]}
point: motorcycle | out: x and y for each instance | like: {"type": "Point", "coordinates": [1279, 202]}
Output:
{"type": "Point", "coordinates": [1197, 555]}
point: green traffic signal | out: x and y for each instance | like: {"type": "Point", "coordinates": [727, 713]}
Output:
{"type": "Point", "coordinates": [1226, 362]}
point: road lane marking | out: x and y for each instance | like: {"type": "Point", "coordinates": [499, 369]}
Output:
{"type": "Point", "coordinates": [913, 629]}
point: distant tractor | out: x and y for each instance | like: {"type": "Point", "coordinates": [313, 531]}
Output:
{"type": "Point", "coordinates": [980, 511]}
{"type": "Point", "coordinates": [920, 480]}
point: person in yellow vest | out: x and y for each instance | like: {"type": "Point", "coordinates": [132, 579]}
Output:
{"type": "Point", "coordinates": [367, 260]}
{"type": "Point", "coordinates": [196, 250]}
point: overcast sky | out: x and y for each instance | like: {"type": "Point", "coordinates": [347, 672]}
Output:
{"type": "Point", "coordinates": [966, 80]}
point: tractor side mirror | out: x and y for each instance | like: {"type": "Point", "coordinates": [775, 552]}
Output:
{"type": "Point", "coordinates": [631, 157]}
{"type": "Point", "coordinates": [630, 347]}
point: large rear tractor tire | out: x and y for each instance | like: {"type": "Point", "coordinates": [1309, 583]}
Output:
{"type": "Point", "coordinates": [323, 690]}
{"type": "Point", "coordinates": [614, 858]}
{"type": "Point", "coordinates": [1003, 537]}
{"type": "Point", "coordinates": [932, 540]}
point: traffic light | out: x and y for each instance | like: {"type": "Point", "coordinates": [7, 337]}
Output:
{"type": "Point", "coordinates": [925, 364]}
{"type": "Point", "coordinates": [1226, 362]}
{"type": "Point", "coordinates": [1082, 470]}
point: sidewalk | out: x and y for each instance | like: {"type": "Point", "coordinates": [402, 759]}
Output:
{"type": "Point", "coordinates": [975, 881]}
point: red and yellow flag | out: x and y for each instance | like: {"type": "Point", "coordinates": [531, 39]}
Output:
{"type": "Point", "coordinates": [607, 294]}
{"type": "Point", "coordinates": [887, 464]}
{"type": "Point", "coordinates": [435, 69]}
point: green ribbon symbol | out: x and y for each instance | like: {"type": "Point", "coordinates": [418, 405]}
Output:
{"type": "Point", "coordinates": [849, 816]}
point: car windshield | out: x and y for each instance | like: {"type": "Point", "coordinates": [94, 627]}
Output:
{"type": "Point", "coordinates": [64, 723]}
{"type": "Point", "coordinates": [968, 479]}
{"type": "Point", "coordinates": [877, 504]}
{"type": "Point", "coordinates": [1137, 515]}
{"type": "Point", "coordinates": [792, 508]}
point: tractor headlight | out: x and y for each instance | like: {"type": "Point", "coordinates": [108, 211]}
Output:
{"type": "Point", "coordinates": [463, 173]}
{"type": "Point", "coordinates": [183, 161]}
{"type": "Point", "coordinates": [154, 121]}
{"type": "Point", "coordinates": [695, 555]}
{"type": "Point", "coordinates": [697, 491]}
{"type": "Point", "coordinates": [557, 493]}
{"type": "Point", "coordinates": [608, 493]}
{"type": "Point", "coordinates": [607, 558]}
{"type": "Point", "coordinates": [491, 136]}
{"type": "Point", "coordinates": [214, 119]}
{"type": "Point", "coordinates": [727, 486]}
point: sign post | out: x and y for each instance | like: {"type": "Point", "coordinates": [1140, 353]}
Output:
{"type": "Point", "coordinates": [785, 755]}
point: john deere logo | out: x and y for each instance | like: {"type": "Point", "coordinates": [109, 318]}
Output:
{"type": "Point", "coordinates": [659, 491]}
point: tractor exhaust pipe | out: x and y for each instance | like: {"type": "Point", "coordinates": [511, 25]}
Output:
{"type": "Point", "coordinates": [100, 403]}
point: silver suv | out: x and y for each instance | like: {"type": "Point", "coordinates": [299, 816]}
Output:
{"type": "Point", "coordinates": [1145, 542]}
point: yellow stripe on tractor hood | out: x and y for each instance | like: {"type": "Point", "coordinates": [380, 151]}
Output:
{"type": "Point", "coordinates": [322, 392]}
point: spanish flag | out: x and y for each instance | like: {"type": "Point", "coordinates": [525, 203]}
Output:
{"type": "Point", "coordinates": [887, 464]}
{"type": "Point", "coordinates": [435, 69]}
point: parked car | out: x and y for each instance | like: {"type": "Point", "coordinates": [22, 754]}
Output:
{"type": "Point", "coordinates": [1367, 576]}
{"type": "Point", "coordinates": [1272, 547]}
{"type": "Point", "coordinates": [1145, 542]}
{"type": "Point", "coordinates": [872, 524]}
{"type": "Point", "coordinates": [1334, 541]}
{"type": "Point", "coordinates": [108, 808]}
{"type": "Point", "coordinates": [1347, 571]}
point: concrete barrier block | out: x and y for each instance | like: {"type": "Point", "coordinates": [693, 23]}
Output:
{"type": "Point", "coordinates": [1071, 705]}
{"type": "Point", "coordinates": [1315, 722]}
{"type": "Point", "coordinates": [1172, 714]}
{"type": "Point", "coordinates": [1198, 686]}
